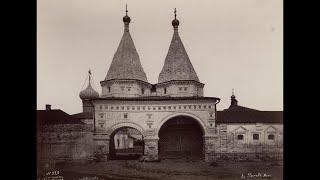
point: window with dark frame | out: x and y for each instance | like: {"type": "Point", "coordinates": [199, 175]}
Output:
{"type": "Point", "coordinates": [125, 115]}
{"type": "Point", "coordinates": [240, 137]}
{"type": "Point", "coordinates": [165, 90]}
{"type": "Point", "coordinates": [255, 136]}
{"type": "Point", "coordinates": [271, 137]}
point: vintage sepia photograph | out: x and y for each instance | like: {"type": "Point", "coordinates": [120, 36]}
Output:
{"type": "Point", "coordinates": [153, 90]}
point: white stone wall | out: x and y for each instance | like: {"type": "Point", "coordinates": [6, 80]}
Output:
{"type": "Point", "coordinates": [263, 130]}
{"type": "Point", "coordinates": [179, 89]}
{"type": "Point", "coordinates": [148, 116]}
{"type": "Point", "coordinates": [185, 90]}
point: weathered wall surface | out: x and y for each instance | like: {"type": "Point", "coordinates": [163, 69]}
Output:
{"type": "Point", "coordinates": [227, 146]}
{"type": "Point", "coordinates": [64, 141]}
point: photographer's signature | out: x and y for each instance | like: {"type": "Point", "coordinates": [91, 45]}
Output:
{"type": "Point", "coordinates": [255, 175]}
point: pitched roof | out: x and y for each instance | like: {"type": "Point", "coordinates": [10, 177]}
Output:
{"type": "Point", "coordinates": [83, 115]}
{"type": "Point", "coordinates": [126, 62]}
{"type": "Point", "coordinates": [177, 65]}
{"type": "Point", "coordinates": [249, 117]}
{"type": "Point", "coordinates": [239, 108]}
{"type": "Point", "coordinates": [55, 116]}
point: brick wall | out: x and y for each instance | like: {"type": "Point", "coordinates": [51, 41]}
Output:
{"type": "Point", "coordinates": [64, 141]}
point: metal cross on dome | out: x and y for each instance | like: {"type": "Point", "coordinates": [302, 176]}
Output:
{"type": "Point", "coordinates": [126, 10]}
{"type": "Point", "coordinates": [175, 13]}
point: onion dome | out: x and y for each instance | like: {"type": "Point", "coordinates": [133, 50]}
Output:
{"type": "Point", "coordinates": [177, 65]}
{"type": "Point", "coordinates": [175, 22]}
{"type": "Point", "coordinates": [126, 62]}
{"type": "Point", "coordinates": [89, 92]}
{"type": "Point", "coordinates": [126, 19]}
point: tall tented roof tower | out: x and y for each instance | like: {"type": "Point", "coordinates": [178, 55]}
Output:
{"type": "Point", "coordinates": [177, 65]}
{"type": "Point", "coordinates": [126, 62]}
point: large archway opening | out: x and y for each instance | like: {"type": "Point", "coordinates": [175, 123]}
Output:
{"type": "Point", "coordinates": [126, 143]}
{"type": "Point", "coordinates": [181, 137]}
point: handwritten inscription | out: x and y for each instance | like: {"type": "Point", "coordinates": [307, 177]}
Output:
{"type": "Point", "coordinates": [255, 175]}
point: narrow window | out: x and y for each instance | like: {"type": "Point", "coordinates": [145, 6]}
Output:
{"type": "Point", "coordinates": [185, 88]}
{"type": "Point", "coordinates": [165, 90]}
{"type": "Point", "coordinates": [255, 136]}
{"type": "Point", "coordinates": [118, 141]}
{"type": "Point", "coordinates": [180, 88]}
{"type": "Point", "coordinates": [142, 91]}
{"type": "Point", "coordinates": [271, 137]}
{"type": "Point", "coordinates": [109, 89]}
{"type": "Point", "coordinates": [240, 137]}
{"type": "Point", "coordinates": [125, 115]}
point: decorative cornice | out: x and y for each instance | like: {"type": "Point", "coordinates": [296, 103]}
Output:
{"type": "Point", "coordinates": [118, 81]}
{"type": "Point", "coordinates": [199, 84]}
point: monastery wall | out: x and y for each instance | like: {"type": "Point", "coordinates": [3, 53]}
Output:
{"type": "Point", "coordinates": [229, 147]}
{"type": "Point", "coordinates": [64, 142]}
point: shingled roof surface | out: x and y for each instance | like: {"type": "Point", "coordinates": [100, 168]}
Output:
{"type": "Point", "coordinates": [83, 115]}
{"type": "Point", "coordinates": [126, 62]}
{"type": "Point", "coordinates": [55, 116]}
{"type": "Point", "coordinates": [249, 117]}
{"type": "Point", "coordinates": [177, 65]}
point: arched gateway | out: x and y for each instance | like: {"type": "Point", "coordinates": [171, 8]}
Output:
{"type": "Point", "coordinates": [181, 137]}
{"type": "Point", "coordinates": [173, 116]}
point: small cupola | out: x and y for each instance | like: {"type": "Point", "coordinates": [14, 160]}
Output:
{"type": "Point", "coordinates": [234, 101]}
{"type": "Point", "coordinates": [89, 92]}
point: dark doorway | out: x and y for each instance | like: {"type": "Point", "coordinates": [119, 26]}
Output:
{"type": "Point", "coordinates": [126, 143]}
{"type": "Point", "coordinates": [181, 138]}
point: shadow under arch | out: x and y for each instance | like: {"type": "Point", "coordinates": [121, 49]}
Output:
{"type": "Point", "coordinates": [181, 137]}
{"type": "Point", "coordinates": [192, 116]}
{"type": "Point", "coordinates": [114, 130]}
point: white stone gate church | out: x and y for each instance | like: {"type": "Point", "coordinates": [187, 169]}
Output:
{"type": "Point", "coordinates": [173, 116]}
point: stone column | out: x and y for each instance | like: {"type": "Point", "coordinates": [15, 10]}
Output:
{"type": "Point", "coordinates": [151, 149]}
{"type": "Point", "coordinates": [101, 149]}
{"type": "Point", "coordinates": [209, 147]}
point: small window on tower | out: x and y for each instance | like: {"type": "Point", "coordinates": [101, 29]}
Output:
{"type": "Point", "coordinates": [185, 88]}
{"type": "Point", "coordinates": [142, 91]}
{"type": "Point", "coordinates": [165, 90]}
{"type": "Point", "coordinates": [109, 89]}
{"type": "Point", "coordinates": [180, 88]}
{"type": "Point", "coordinates": [125, 115]}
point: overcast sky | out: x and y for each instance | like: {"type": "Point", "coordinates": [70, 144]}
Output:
{"type": "Point", "coordinates": [231, 44]}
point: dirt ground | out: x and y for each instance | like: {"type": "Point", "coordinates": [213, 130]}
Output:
{"type": "Point", "coordinates": [170, 170]}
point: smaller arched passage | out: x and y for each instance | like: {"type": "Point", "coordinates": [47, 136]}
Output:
{"type": "Point", "coordinates": [181, 137]}
{"type": "Point", "coordinates": [126, 142]}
